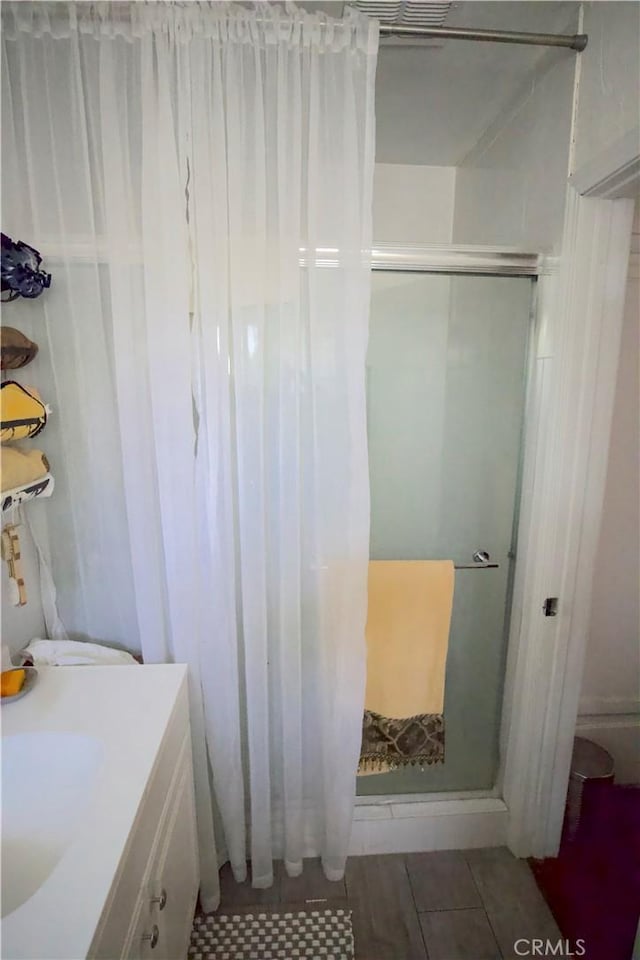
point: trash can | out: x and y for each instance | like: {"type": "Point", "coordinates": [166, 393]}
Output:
{"type": "Point", "coordinates": [590, 764]}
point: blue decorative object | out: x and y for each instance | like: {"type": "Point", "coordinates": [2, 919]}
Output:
{"type": "Point", "coordinates": [21, 274]}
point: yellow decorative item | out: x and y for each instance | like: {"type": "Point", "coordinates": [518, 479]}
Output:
{"type": "Point", "coordinates": [11, 682]}
{"type": "Point", "coordinates": [409, 615]}
{"type": "Point", "coordinates": [20, 467]}
{"type": "Point", "coordinates": [23, 412]}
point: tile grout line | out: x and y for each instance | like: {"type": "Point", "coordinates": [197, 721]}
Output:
{"type": "Point", "coordinates": [415, 905]}
{"type": "Point", "coordinates": [484, 906]}
{"type": "Point", "coordinates": [421, 913]}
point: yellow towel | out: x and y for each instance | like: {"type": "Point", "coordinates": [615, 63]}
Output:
{"type": "Point", "coordinates": [409, 616]}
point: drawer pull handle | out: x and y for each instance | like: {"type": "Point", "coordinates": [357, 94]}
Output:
{"type": "Point", "coordinates": [152, 937]}
{"type": "Point", "coordinates": [161, 900]}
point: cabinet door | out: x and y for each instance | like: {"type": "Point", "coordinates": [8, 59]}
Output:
{"type": "Point", "coordinates": [175, 875]}
{"type": "Point", "coordinates": [129, 913]}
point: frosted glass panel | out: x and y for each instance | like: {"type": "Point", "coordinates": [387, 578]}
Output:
{"type": "Point", "coordinates": [446, 383]}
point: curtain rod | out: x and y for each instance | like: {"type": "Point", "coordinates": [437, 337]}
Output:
{"type": "Point", "coordinates": [576, 41]}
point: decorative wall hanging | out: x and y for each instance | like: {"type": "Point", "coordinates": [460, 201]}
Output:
{"type": "Point", "coordinates": [21, 274]}
{"type": "Point", "coordinates": [23, 412]}
{"type": "Point", "coordinates": [37, 488]}
{"type": "Point", "coordinates": [21, 467]}
{"type": "Point", "coordinates": [17, 350]}
{"type": "Point", "coordinates": [12, 556]}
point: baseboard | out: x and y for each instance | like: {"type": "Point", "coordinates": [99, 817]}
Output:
{"type": "Point", "coordinates": [409, 827]}
{"type": "Point", "coordinates": [591, 706]}
{"type": "Point", "coordinates": [620, 735]}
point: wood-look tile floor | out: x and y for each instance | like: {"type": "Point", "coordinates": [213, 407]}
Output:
{"type": "Point", "coordinates": [447, 905]}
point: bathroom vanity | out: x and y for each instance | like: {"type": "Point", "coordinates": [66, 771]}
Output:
{"type": "Point", "coordinates": [99, 849]}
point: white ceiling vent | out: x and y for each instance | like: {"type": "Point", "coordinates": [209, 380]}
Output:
{"type": "Point", "coordinates": [407, 13]}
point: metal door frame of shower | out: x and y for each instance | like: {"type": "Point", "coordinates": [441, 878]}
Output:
{"type": "Point", "coordinates": [573, 369]}
{"type": "Point", "coordinates": [456, 259]}
{"type": "Point", "coordinates": [389, 823]}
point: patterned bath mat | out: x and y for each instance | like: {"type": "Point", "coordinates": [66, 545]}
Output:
{"type": "Point", "coordinates": [304, 935]}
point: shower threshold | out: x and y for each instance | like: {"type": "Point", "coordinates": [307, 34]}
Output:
{"type": "Point", "coordinates": [405, 823]}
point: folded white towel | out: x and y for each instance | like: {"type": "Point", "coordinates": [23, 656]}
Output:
{"type": "Point", "coordinates": [59, 653]}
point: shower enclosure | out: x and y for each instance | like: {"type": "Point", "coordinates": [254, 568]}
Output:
{"type": "Point", "coordinates": [447, 373]}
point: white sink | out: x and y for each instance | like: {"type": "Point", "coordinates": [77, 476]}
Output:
{"type": "Point", "coordinates": [77, 754]}
{"type": "Point", "coordinates": [48, 780]}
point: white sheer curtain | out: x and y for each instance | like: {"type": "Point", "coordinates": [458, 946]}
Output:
{"type": "Point", "coordinates": [209, 433]}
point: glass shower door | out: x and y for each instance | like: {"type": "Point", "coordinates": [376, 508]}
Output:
{"type": "Point", "coordinates": [446, 372]}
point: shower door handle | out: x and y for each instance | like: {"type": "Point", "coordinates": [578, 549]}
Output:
{"type": "Point", "coordinates": [481, 556]}
{"type": "Point", "coordinates": [481, 561]}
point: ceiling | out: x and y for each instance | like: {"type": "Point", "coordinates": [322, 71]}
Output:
{"type": "Point", "coordinates": [433, 102]}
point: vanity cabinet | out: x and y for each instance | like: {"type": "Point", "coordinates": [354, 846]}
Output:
{"type": "Point", "coordinates": [149, 912]}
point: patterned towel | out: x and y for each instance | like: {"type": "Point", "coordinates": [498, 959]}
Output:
{"type": "Point", "coordinates": [391, 744]}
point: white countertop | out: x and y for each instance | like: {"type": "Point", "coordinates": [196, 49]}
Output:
{"type": "Point", "coordinates": [126, 708]}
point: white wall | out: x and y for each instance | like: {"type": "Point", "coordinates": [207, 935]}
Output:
{"type": "Point", "coordinates": [510, 189]}
{"type": "Point", "coordinates": [610, 700]}
{"type": "Point", "coordinates": [413, 204]}
{"type": "Point", "coordinates": [609, 90]}
{"type": "Point", "coordinates": [435, 98]}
